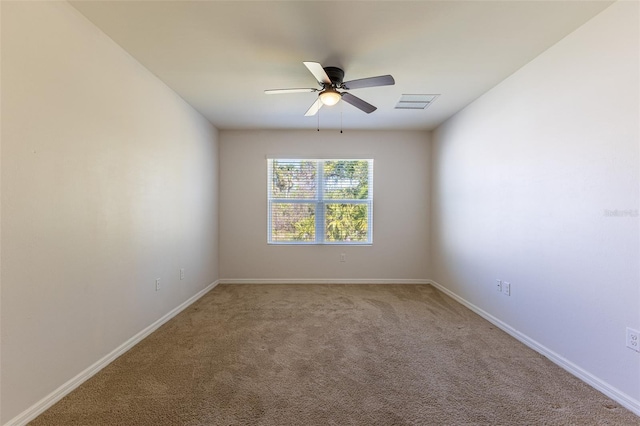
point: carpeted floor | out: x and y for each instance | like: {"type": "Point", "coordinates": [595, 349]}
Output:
{"type": "Point", "coordinates": [332, 355]}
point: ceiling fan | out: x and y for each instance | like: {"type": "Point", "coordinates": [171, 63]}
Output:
{"type": "Point", "coordinates": [330, 81]}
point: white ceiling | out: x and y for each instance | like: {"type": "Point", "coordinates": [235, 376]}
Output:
{"type": "Point", "coordinates": [221, 55]}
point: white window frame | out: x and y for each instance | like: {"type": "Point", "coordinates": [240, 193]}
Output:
{"type": "Point", "coordinates": [320, 203]}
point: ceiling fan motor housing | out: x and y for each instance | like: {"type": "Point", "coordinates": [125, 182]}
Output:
{"type": "Point", "coordinates": [335, 74]}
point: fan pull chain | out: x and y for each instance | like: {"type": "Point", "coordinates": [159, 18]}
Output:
{"type": "Point", "coordinates": [318, 114]}
{"type": "Point", "coordinates": [341, 108]}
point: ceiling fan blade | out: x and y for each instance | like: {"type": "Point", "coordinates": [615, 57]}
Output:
{"type": "Point", "coordinates": [279, 91]}
{"type": "Point", "coordinates": [318, 72]}
{"type": "Point", "coordinates": [358, 103]}
{"type": "Point", "coordinates": [314, 108]}
{"type": "Point", "coordinates": [381, 80]}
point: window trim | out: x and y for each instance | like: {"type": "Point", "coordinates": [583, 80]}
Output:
{"type": "Point", "coordinates": [320, 203]}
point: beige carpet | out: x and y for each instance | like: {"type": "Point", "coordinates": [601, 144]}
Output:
{"type": "Point", "coordinates": [332, 355]}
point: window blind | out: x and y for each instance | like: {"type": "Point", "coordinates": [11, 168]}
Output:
{"type": "Point", "coordinates": [314, 201]}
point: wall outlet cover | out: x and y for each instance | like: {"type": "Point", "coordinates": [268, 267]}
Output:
{"type": "Point", "coordinates": [633, 339]}
{"type": "Point", "coordinates": [506, 288]}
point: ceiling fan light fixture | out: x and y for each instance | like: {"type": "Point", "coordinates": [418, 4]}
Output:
{"type": "Point", "coordinates": [330, 97]}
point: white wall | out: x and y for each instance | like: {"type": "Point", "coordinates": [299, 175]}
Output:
{"type": "Point", "coordinates": [109, 180]}
{"type": "Point", "coordinates": [522, 181]}
{"type": "Point", "coordinates": [401, 204]}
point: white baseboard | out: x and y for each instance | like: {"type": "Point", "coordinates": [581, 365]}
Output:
{"type": "Point", "coordinates": [622, 398]}
{"type": "Point", "coordinates": [55, 396]}
{"type": "Point", "coordinates": [320, 281]}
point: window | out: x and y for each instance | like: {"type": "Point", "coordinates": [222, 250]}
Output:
{"type": "Point", "coordinates": [320, 201]}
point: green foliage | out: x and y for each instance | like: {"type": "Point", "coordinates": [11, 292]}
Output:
{"type": "Point", "coordinates": [294, 179]}
{"type": "Point", "coordinates": [346, 222]}
{"type": "Point", "coordinates": [346, 179]}
{"type": "Point", "coordinates": [293, 222]}
{"type": "Point", "coordinates": [305, 229]}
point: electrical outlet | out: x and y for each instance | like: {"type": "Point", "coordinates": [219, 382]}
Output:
{"type": "Point", "coordinates": [157, 284]}
{"type": "Point", "coordinates": [499, 285]}
{"type": "Point", "coordinates": [506, 288]}
{"type": "Point", "coordinates": [181, 273]}
{"type": "Point", "coordinates": [343, 257]}
{"type": "Point", "coordinates": [633, 339]}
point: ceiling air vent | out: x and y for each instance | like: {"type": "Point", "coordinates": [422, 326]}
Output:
{"type": "Point", "coordinates": [415, 101]}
